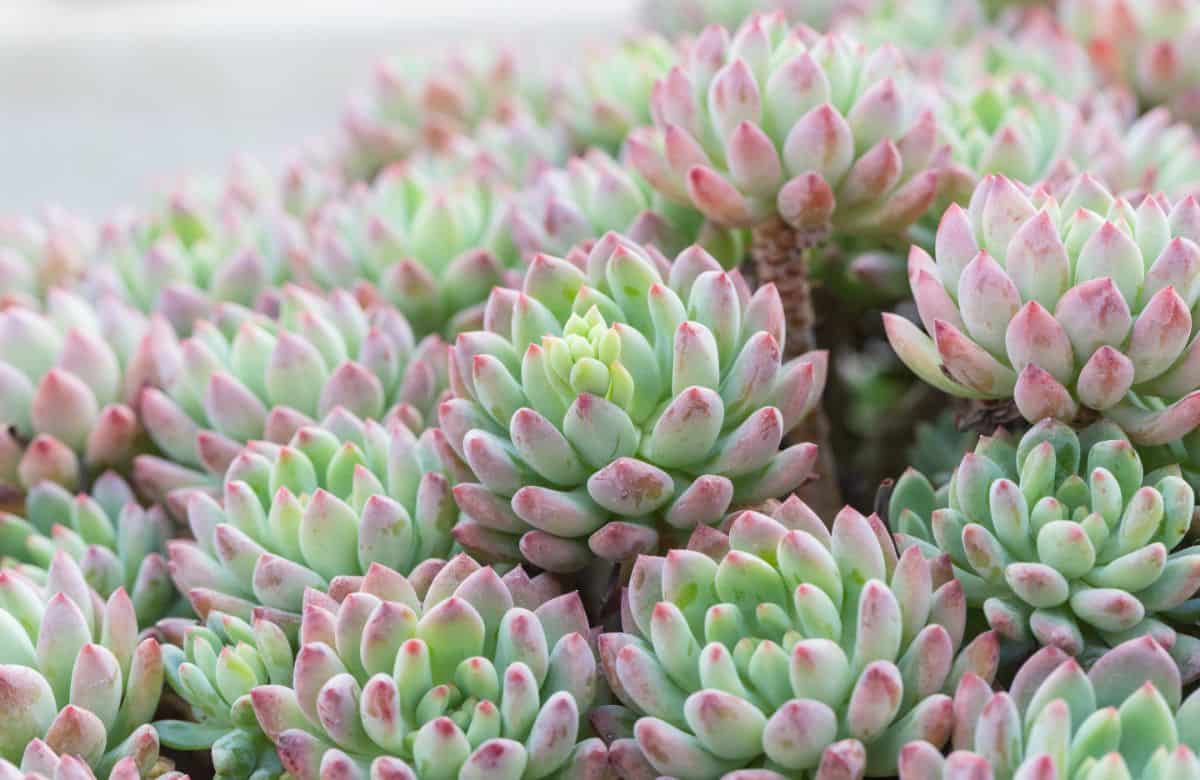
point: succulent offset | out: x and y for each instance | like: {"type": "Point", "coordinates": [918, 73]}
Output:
{"type": "Point", "coordinates": [330, 503]}
{"type": "Point", "coordinates": [595, 194]}
{"type": "Point", "coordinates": [74, 673]}
{"type": "Point", "coordinates": [465, 674]}
{"type": "Point", "coordinates": [610, 409]}
{"type": "Point", "coordinates": [242, 376]}
{"type": "Point", "coordinates": [1123, 717]}
{"type": "Point", "coordinates": [116, 542]}
{"type": "Point", "coordinates": [432, 247]}
{"type": "Point", "coordinates": [214, 671]}
{"type": "Point", "coordinates": [1062, 308]}
{"type": "Point", "coordinates": [818, 130]}
{"type": "Point", "coordinates": [68, 377]}
{"type": "Point", "coordinates": [1058, 542]}
{"type": "Point", "coordinates": [793, 648]}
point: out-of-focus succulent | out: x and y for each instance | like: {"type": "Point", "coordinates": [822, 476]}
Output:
{"type": "Point", "coordinates": [432, 248]}
{"type": "Point", "coordinates": [926, 30]}
{"type": "Point", "coordinates": [1120, 719]}
{"type": "Point", "coordinates": [793, 648]}
{"type": "Point", "coordinates": [1152, 154]}
{"type": "Point", "coordinates": [214, 671]}
{"type": "Point", "coordinates": [116, 542]}
{"type": "Point", "coordinates": [42, 252]}
{"type": "Point", "coordinates": [1152, 46]}
{"type": "Point", "coordinates": [675, 17]}
{"type": "Point", "coordinates": [67, 376]}
{"type": "Point", "coordinates": [413, 102]}
{"type": "Point", "coordinates": [74, 674]}
{"type": "Point", "coordinates": [1060, 546]}
{"type": "Point", "coordinates": [938, 446]}
{"type": "Point", "coordinates": [820, 131]}
{"type": "Point", "coordinates": [244, 377]}
{"type": "Point", "coordinates": [1061, 307]}
{"type": "Point", "coordinates": [594, 194]}
{"type": "Point", "coordinates": [609, 409]}
{"type": "Point", "coordinates": [465, 675]}
{"type": "Point", "coordinates": [609, 94]}
{"type": "Point", "coordinates": [331, 502]}
{"type": "Point", "coordinates": [513, 151]}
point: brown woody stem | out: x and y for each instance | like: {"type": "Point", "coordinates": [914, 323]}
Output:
{"type": "Point", "coordinates": [781, 254]}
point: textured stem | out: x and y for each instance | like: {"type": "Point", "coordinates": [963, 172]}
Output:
{"type": "Point", "coordinates": [781, 255]}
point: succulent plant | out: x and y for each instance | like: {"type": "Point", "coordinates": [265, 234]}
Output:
{"type": "Point", "coordinates": [511, 151]}
{"type": "Point", "coordinates": [1057, 545]}
{"type": "Point", "coordinates": [465, 674]}
{"type": "Point", "coordinates": [1148, 45]}
{"type": "Point", "coordinates": [42, 252]}
{"type": "Point", "coordinates": [1121, 718]}
{"type": "Point", "coordinates": [67, 376]}
{"type": "Point", "coordinates": [788, 647]}
{"type": "Point", "coordinates": [74, 674]}
{"type": "Point", "coordinates": [819, 131]}
{"type": "Point", "coordinates": [1153, 153]}
{"type": "Point", "coordinates": [433, 248]}
{"type": "Point", "coordinates": [609, 94]}
{"type": "Point", "coordinates": [1061, 307]}
{"type": "Point", "coordinates": [243, 376]}
{"type": "Point", "coordinates": [675, 17]}
{"type": "Point", "coordinates": [594, 194]}
{"type": "Point", "coordinates": [41, 762]}
{"type": "Point", "coordinates": [609, 409]}
{"type": "Point", "coordinates": [412, 102]}
{"type": "Point", "coordinates": [214, 670]}
{"type": "Point", "coordinates": [116, 542]}
{"type": "Point", "coordinates": [331, 502]}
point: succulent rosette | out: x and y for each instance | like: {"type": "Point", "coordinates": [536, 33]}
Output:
{"type": "Point", "coordinates": [1059, 543]}
{"type": "Point", "coordinates": [1123, 717]}
{"type": "Point", "coordinates": [41, 252]}
{"type": "Point", "coordinates": [331, 502]}
{"type": "Point", "coordinates": [214, 670]}
{"type": "Point", "coordinates": [116, 542]}
{"type": "Point", "coordinates": [594, 194]}
{"type": "Point", "coordinates": [1061, 307]}
{"type": "Point", "coordinates": [675, 17]}
{"type": "Point", "coordinates": [818, 130]}
{"type": "Point", "coordinates": [412, 103]}
{"type": "Point", "coordinates": [927, 30]}
{"type": "Point", "coordinates": [462, 675]}
{"type": "Point", "coordinates": [610, 408]}
{"type": "Point", "coordinates": [243, 376]}
{"type": "Point", "coordinates": [1153, 153]}
{"type": "Point", "coordinates": [433, 248]}
{"type": "Point", "coordinates": [76, 680]}
{"type": "Point", "coordinates": [1147, 45]}
{"type": "Point", "coordinates": [609, 94]}
{"type": "Point", "coordinates": [68, 374]}
{"type": "Point", "coordinates": [514, 150]}
{"type": "Point", "coordinates": [788, 647]}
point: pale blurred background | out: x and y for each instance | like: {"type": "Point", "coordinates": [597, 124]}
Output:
{"type": "Point", "coordinates": [102, 99]}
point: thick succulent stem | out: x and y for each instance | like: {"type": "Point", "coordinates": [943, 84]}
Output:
{"type": "Point", "coordinates": [781, 255]}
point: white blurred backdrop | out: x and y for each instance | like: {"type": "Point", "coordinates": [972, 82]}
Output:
{"type": "Point", "coordinates": [102, 99]}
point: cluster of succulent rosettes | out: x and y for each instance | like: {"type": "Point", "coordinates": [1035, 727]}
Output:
{"type": "Point", "coordinates": [1062, 306]}
{"type": "Point", "coordinates": [594, 194]}
{"type": "Point", "coordinates": [462, 675]}
{"type": "Point", "coordinates": [609, 94]}
{"type": "Point", "coordinates": [787, 646]}
{"type": "Point", "coordinates": [432, 248]}
{"type": "Point", "coordinates": [816, 130]}
{"type": "Point", "coordinates": [74, 673]}
{"type": "Point", "coordinates": [116, 542]}
{"type": "Point", "coordinates": [410, 104]}
{"type": "Point", "coordinates": [1154, 153]}
{"type": "Point", "coordinates": [1008, 126]}
{"type": "Point", "coordinates": [1058, 542]}
{"type": "Point", "coordinates": [331, 502]}
{"type": "Point", "coordinates": [213, 669]}
{"type": "Point", "coordinates": [1147, 45]}
{"type": "Point", "coordinates": [1122, 718]}
{"type": "Point", "coordinates": [42, 252]}
{"type": "Point", "coordinates": [68, 374]}
{"type": "Point", "coordinates": [612, 407]}
{"type": "Point", "coordinates": [243, 376]}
